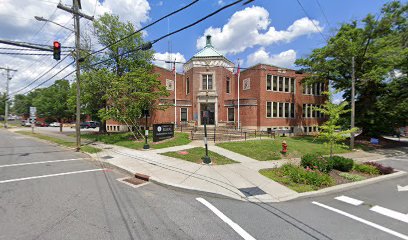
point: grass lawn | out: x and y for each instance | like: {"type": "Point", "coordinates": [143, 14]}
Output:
{"type": "Point", "coordinates": [195, 155]}
{"type": "Point", "coordinates": [277, 175]}
{"type": "Point", "coordinates": [269, 149]}
{"type": "Point", "coordinates": [84, 148]}
{"type": "Point", "coordinates": [126, 140]}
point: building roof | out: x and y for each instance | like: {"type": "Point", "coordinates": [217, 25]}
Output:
{"type": "Point", "coordinates": [208, 50]}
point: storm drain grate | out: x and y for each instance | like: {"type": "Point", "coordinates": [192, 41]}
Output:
{"type": "Point", "coordinates": [252, 191]}
{"type": "Point", "coordinates": [107, 157]}
{"type": "Point", "coordinates": [134, 181]}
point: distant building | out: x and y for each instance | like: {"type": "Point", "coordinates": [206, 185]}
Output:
{"type": "Point", "coordinates": [269, 97]}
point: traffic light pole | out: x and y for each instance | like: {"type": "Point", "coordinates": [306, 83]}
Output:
{"type": "Point", "coordinates": [75, 11]}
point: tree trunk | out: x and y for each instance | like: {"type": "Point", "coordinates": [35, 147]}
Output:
{"type": "Point", "coordinates": [331, 150]}
{"type": "Point", "coordinates": [102, 127]}
{"type": "Point", "coordinates": [60, 121]}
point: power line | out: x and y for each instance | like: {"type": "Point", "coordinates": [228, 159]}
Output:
{"type": "Point", "coordinates": [49, 79]}
{"type": "Point", "coordinates": [27, 54]}
{"type": "Point", "coordinates": [149, 44]}
{"type": "Point", "coordinates": [42, 75]}
{"type": "Point", "coordinates": [324, 14]}
{"type": "Point", "coordinates": [148, 25]}
{"type": "Point", "coordinates": [314, 24]}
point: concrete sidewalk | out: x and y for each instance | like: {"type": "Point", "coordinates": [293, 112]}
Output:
{"type": "Point", "coordinates": [239, 180]}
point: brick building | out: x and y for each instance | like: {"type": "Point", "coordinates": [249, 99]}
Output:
{"type": "Point", "coordinates": [269, 97]}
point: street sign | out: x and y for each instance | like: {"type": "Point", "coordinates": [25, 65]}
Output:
{"type": "Point", "coordinates": [162, 132]}
{"type": "Point", "coordinates": [33, 111]}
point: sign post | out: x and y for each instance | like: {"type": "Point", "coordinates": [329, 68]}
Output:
{"type": "Point", "coordinates": [33, 111]}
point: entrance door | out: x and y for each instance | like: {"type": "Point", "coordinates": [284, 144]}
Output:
{"type": "Point", "coordinates": [210, 107]}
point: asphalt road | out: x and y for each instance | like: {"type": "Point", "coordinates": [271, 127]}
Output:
{"type": "Point", "coordinates": [88, 202]}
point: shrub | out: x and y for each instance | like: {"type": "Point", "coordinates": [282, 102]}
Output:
{"type": "Point", "coordinates": [383, 169]}
{"type": "Point", "coordinates": [364, 168]}
{"type": "Point", "coordinates": [316, 161]}
{"type": "Point", "coordinates": [307, 176]}
{"type": "Point", "coordinates": [352, 177]}
{"type": "Point", "coordinates": [341, 163]}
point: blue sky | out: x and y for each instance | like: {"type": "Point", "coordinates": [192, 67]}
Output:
{"type": "Point", "coordinates": [274, 32]}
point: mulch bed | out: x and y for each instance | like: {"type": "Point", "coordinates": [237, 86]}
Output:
{"type": "Point", "coordinates": [335, 174]}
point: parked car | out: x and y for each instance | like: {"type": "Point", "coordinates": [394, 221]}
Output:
{"type": "Point", "coordinates": [90, 124]}
{"type": "Point", "coordinates": [41, 124]}
{"type": "Point", "coordinates": [27, 124]}
{"type": "Point", "coordinates": [55, 124]}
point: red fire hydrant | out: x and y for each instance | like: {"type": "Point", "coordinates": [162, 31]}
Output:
{"type": "Point", "coordinates": [284, 147]}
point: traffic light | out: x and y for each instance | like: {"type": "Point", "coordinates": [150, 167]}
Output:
{"type": "Point", "coordinates": [57, 50]}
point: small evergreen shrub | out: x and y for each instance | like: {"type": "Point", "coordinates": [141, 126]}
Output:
{"type": "Point", "coordinates": [352, 177]}
{"type": "Point", "coordinates": [342, 164]}
{"type": "Point", "coordinates": [383, 169]}
{"type": "Point", "coordinates": [364, 168]}
{"type": "Point", "coordinates": [316, 161]}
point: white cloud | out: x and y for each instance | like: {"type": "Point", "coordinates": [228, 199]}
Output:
{"type": "Point", "coordinates": [159, 4]}
{"type": "Point", "coordinates": [283, 59]}
{"type": "Point", "coordinates": [160, 59]}
{"type": "Point", "coordinates": [18, 23]}
{"type": "Point", "coordinates": [250, 27]}
{"type": "Point", "coordinates": [221, 2]}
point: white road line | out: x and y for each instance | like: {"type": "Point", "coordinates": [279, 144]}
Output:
{"type": "Point", "coordinates": [50, 175]}
{"type": "Point", "coordinates": [42, 162]}
{"type": "Point", "coordinates": [227, 220]}
{"type": "Point", "coordinates": [390, 213]}
{"type": "Point", "coordinates": [349, 200]}
{"type": "Point", "coordinates": [374, 225]}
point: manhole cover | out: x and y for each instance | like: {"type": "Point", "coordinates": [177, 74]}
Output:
{"type": "Point", "coordinates": [252, 191]}
{"type": "Point", "coordinates": [134, 181]}
{"type": "Point", "coordinates": [107, 157]}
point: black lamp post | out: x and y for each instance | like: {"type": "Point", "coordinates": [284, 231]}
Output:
{"type": "Point", "coordinates": [206, 159]}
{"type": "Point", "coordinates": [146, 145]}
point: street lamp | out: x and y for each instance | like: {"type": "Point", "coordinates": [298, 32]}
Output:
{"type": "Point", "coordinates": [206, 159]}
{"type": "Point", "coordinates": [41, 19]}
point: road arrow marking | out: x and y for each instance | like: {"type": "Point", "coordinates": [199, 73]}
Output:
{"type": "Point", "coordinates": [390, 213]}
{"type": "Point", "coordinates": [402, 189]}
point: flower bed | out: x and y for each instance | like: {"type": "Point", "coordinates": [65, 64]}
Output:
{"type": "Point", "coordinates": [316, 172]}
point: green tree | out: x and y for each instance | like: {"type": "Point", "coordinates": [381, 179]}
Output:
{"type": "Point", "coordinates": [132, 93]}
{"type": "Point", "coordinates": [52, 102]}
{"type": "Point", "coordinates": [331, 131]}
{"type": "Point", "coordinates": [2, 103]}
{"type": "Point", "coordinates": [379, 47]}
{"type": "Point", "coordinates": [97, 79]}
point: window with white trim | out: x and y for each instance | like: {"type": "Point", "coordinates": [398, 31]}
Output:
{"type": "Point", "coordinates": [228, 85]}
{"type": "Point", "coordinates": [231, 114]}
{"type": "Point", "coordinates": [183, 114]}
{"type": "Point", "coordinates": [280, 110]}
{"type": "Point", "coordinates": [207, 83]}
{"type": "Point", "coordinates": [316, 89]}
{"type": "Point", "coordinates": [310, 111]}
{"type": "Point", "coordinates": [280, 84]}
{"type": "Point", "coordinates": [187, 85]}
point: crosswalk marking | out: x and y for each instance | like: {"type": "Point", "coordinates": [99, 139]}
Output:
{"type": "Point", "coordinates": [390, 213]}
{"type": "Point", "coordinates": [349, 200]}
{"type": "Point", "coordinates": [374, 225]}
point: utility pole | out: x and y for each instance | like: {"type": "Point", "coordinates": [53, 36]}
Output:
{"type": "Point", "coordinates": [353, 107]}
{"type": "Point", "coordinates": [76, 5]}
{"type": "Point", "coordinates": [7, 94]}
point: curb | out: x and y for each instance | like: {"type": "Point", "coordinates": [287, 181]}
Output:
{"type": "Point", "coordinates": [346, 186]}
{"type": "Point", "coordinates": [194, 190]}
